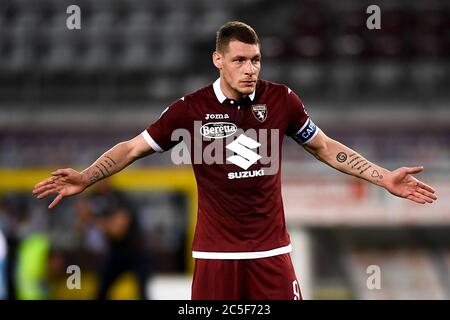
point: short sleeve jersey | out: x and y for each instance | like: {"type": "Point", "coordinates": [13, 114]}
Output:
{"type": "Point", "coordinates": [235, 150]}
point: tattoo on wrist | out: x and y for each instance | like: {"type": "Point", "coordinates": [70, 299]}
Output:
{"type": "Point", "coordinates": [94, 177]}
{"type": "Point", "coordinates": [341, 157]}
{"type": "Point", "coordinates": [376, 174]}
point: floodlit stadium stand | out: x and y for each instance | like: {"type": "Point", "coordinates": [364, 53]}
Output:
{"type": "Point", "coordinates": [121, 53]}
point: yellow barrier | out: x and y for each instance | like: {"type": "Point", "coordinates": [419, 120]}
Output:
{"type": "Point", "coordinates": [179, 179]}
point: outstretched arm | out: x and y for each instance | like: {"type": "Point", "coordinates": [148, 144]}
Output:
{"type": "Point", "coordinates": [399, 182]}
{"type": "Point", "coordinates": [68, 182]}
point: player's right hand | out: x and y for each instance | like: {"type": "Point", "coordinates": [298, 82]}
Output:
{"type": "Point", "coordinates": [64, 182]}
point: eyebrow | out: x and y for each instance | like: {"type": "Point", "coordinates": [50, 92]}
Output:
{"type": "Point", "coordinates": [244, 57]}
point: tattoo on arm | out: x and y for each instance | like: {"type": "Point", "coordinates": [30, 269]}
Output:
{"type": "Point", "coordinates": [341, 157]}
{"type": "Point", "coordinates": [355, 158]}
{"type": "Point", "coordinates": [103, 168]}
{"type": "Point", "coordinates": [362, 166]}
{"type": "Point", "coordinates": [107, 171]}
{"type": "Point", "coordinates": [376, 174]}
{"type": "Point", "coordinates": [94, 177]}
{"type": "Point", "coordinates": [356, 163]}
{"type": "Point", "coordinates": [108, 163]}
{"type": "Point", "coordinates": [111, 160]}
{"type": "Point", "coordinates": [365, 169]}
{"type": "Point", "coordinates": [103, 174]}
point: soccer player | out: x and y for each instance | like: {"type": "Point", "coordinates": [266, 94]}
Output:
{"type": "Point", "coordinates": [241, 246]}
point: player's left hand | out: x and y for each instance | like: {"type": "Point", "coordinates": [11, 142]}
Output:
{"type": "Point", "coordinates": [402, 184]}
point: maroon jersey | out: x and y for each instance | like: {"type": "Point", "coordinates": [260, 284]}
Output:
{"type": "Point", "coordinates": [235, 150]}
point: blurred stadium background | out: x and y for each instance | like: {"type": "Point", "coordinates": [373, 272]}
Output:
{"type": "Point", "coordinates": [68, 95]}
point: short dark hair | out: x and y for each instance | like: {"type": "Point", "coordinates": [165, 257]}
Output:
{"type": "Point", "coordinates": [235, 30]}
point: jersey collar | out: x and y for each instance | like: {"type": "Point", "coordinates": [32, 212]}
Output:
{"type": "Point", "coordinates": [221, 97]}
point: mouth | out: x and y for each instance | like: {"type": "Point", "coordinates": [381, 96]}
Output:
{"type": "Point", "coordinates": [248, 83]}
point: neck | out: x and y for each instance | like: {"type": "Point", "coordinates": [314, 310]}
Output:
{"type": "Point", "coordinates": [229, 92]}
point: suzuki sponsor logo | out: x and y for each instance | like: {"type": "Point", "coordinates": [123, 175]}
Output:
{"type": "Point", "coordinates": [218, 130]}
{"type": "Point", "coordinates": [245, 156]}
{"type": "Point", "coordinates": [224, 143]}
{"type": "Point", "coordinates": [245, 174]}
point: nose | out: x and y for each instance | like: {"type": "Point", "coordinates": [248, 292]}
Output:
{"type": "Point", "coordinates": [250, 69]}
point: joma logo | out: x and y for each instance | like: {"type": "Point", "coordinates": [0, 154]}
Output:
{"type": "Point", "coordinates": [216, 116]}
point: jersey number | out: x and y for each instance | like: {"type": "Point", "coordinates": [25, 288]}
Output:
{"type": "Point", "coordinates": [296, 289]}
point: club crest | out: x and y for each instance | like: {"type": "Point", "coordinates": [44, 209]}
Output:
{"type": "Point", "coordinates": [260, 111]}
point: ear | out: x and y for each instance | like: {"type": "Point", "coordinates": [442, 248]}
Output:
{"type": "Point", "coordinates": [217, 59]}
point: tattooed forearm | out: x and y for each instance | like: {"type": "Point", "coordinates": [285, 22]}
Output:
{"type": "Point", "coordinates": [95, 176]}
{"type": "Point", "coordinates": [341, 157]}
{"type": "Point", "coordinates": [351, 162]}
{"type": "Point", "coordinates": [376, 174]}
{"type": "Point", "coordinates": [106, 163]}
{"type": "Point", "coordinates": [111, 159]}
{"type": "Point", "coordinates": [357, 163]}
{"type": "Point", "coordinates": [363, 165]}
{"type": "Point", "coordinates": [104, 167]}
{"type": "Point", "coordinates": [364, 170]}
{"type": "Point", "coordinates": [109, 163]}
{"type": "Point", "coordinates": [354, 159]}
{"type": "Point", "coordinates": [100, 169]}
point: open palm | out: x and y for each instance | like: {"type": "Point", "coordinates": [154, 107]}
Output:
{"type": "Point", "coordinates": [64, 182]}
{"type": "Point", "coordinates": [404, 185]}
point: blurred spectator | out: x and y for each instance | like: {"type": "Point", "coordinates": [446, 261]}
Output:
{"type": "Point", "coordinates": [32, 267]}
{"type": "Point", "coordinates": [6, 227]}
{"type": "Point", "coordinates": [113, 213]}
{"type": "Point", "coordinates": [28, 247]}
{"type": "Point", "coordinates": [3, 276]}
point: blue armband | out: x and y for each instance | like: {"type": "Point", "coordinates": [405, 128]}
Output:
{"type": "Point", "coordinates": [306, 133]}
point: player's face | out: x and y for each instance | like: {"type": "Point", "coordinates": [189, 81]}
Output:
{"type": "Point", "coordinates": [239, 68]}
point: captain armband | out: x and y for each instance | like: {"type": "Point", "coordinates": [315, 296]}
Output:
{"type": "Point", "coordinates": [306, 133]}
